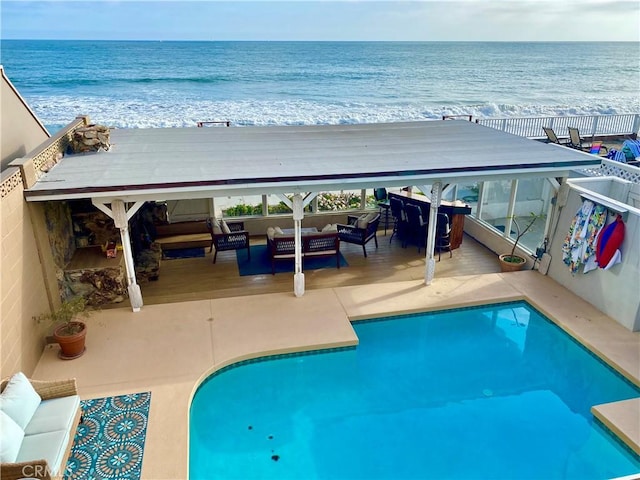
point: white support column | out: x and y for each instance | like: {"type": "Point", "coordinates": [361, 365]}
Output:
{"type": "Point", "coordinates": [121, 219]}
{"type": "Point", "coordinates": [298, 215]}
{"type": "Point", "coordinates": [436, 197]}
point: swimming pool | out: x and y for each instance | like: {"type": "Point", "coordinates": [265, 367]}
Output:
{"type": "Point", "coordinates": [491, 392]}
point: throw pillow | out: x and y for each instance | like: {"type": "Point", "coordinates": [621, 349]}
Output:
{"type": "Point", "coordinates": [279, 231]}
{"type": "Point", "coordinates": [271, 232]}
{"type": "Point", "coordinates": [225, 227]}
{"type": "Point", "coordinates": [362, 221]}
{"type": "Point", "coordinates": [217, 229]}
{"type": "Point", "coordinates": [19, 400]}
{"type": "Point", "coordinates": [11, 436]}
{"type": "Point", "coordinates": [330, 227]}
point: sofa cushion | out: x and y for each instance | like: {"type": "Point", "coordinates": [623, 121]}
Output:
{"type": "Point", "coordinates": [271, 232]}
{"type": "Point", "coordinates": [50, 445]}
{"type": "Point", "coordinates": [19, 400]}
{"type": "Point", "coordinates": [363, 221]}
{"type": "Point", "coordinates": [215, 224]}
{"type": "Point", "coordinates": [225, 227]}
{"type": "Point", "coordinates": [54, 414]}
{"type": "Point", "coordinates": [11, 436]}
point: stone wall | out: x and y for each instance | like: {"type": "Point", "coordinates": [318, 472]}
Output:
{"type": "Point", "coordinates": [90, 139]}
{"type": "Point", "coordinates": [98, 287]}
{"type": "Point", "coordinates": [60, 230]}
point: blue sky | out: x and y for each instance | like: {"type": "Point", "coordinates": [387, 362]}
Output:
{"type": "Point", "coordinates": [476, 20]}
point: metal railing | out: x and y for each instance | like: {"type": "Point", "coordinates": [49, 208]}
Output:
{"type": "Point", "coordinates": [589, 125]}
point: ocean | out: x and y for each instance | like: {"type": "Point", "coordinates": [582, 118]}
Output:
{"type": "Point", "coordinates": [176, 84]}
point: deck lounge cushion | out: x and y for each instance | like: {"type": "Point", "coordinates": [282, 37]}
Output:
{"type": "Point", "coordinates": [54, 414]}
{"type": "Point", "coordinates": [11, 436]}
{"type": "Point", "coordinates": [49, 445]}
{"type": "Point", "coordinates": [19, 400]}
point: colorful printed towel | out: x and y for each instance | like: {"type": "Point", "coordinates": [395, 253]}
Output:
{"type": "Point", "coordinates": [579, 246]}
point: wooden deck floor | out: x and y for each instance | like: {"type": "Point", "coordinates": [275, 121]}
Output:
{"type": "Point", "coordinates": [198, 278]}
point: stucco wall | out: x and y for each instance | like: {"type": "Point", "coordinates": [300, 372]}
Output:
{"type": "Point", "coordinates": [24, 293]}
{"type": "Point", "coordinates": [23, 132]}
{"type": "Point", "coordinates": [616, 291]}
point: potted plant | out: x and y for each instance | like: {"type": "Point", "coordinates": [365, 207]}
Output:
{"type": "Point", "coordinates": [69, 331]}
{"type": "Point", "coordinates": [512, 262]}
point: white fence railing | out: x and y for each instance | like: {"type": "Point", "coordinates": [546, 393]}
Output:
{"type": "Point", "coordinates": [589, 125]}
{"type": "Point", "coordinates": [609, 168]}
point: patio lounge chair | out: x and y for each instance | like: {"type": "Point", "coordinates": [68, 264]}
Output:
{"type": "Point", "coordinates": [360, 230]}
{"type": "Point", "coordinates": [575, 141]}
{"type": "Point", "coordinates": [552, 137]}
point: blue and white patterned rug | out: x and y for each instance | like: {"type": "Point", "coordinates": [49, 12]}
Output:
{"type": "Point", "coordinates": [109, 442]}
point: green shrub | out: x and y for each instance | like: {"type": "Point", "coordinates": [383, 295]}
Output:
{"type": "Point", "coordinates": [326, 202]}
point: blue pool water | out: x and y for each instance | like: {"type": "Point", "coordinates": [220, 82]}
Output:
{"type": "Point", "coordinates": [496, 392]}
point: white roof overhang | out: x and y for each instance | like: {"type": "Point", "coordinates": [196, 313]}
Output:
{"type": "Point", "coordinates": [181, 163]}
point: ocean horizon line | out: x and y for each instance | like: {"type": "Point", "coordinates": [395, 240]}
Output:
{"type": "Point", "coordinates": [316, 41]}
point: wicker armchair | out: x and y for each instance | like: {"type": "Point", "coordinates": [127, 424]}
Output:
{"type": "Point", "coordinates": [238, 238]}
{"type": "Point", "coordinates": [352, 233]}
{"type": "Point", "coordinates": [38, 468]}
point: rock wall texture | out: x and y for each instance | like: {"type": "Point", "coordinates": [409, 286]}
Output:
{"type": "Point", "coordinates": [91, 139]}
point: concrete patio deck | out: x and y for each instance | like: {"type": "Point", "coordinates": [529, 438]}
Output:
{"type": "Point", "coordinates": [169, 348]}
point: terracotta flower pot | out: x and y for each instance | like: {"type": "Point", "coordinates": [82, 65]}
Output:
{"type": "Point", "coordinates": [510, 265]}
{"type": "Point", "coordinates": [71, 345]}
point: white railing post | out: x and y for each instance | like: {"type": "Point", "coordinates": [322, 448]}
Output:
{"type": "Point", "coordinates": [636, 124]}
{"type": "Point", "coordinates": [594, 127]}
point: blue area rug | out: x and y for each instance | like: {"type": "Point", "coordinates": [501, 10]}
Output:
{"type": "Point", "coordinates": [109, 442]}
{"type": "Point", "coordinates": [183, 253]}
{"type": "Point", "coordinates": [260, 263]}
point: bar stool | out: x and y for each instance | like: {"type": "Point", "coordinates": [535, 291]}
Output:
{"type": "Point", "coordinates": [382, 199]}
{"type": "Point", "coordinates": [399, 219]}
{"type": "Point", "coordinates": [443, 235]}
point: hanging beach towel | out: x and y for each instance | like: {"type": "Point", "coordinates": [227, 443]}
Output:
{"type": "Point", "coordinates": [597, 221]}
{"type": "Point", "coordinates": [572, 248]}
{"type": "Point", "coordinates": [608, 244]}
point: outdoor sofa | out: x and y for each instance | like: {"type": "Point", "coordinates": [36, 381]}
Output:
{"type": "Point", "coordinates": [281, 245]}
{"type": "Point", "coordinates": [203, 233]}
{"type": "Point", "coordinates": [39, 421]}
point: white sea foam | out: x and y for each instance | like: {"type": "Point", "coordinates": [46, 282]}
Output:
{"type": "Point", "coordinates": [60, 110]}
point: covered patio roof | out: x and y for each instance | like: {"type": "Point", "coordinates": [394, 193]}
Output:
{"type": "Point", "coordinates": [175, 163]}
